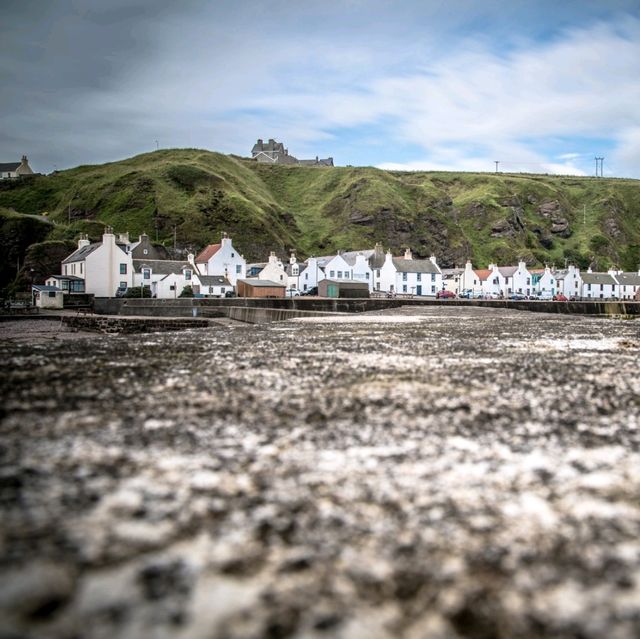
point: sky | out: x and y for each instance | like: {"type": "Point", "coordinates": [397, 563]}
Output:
{"type": "Point", "coordinates": [539, 86]}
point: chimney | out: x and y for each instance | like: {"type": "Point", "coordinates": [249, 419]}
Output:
{"type": "Point", "coordinates": [292, 258]}
{"type": "Point", "coordinates": [225, 239]}
{"type": "Point", "coordinates": [491, 267]}
{"type": "Point", "coordinates": [83, 241]}
{"type": "Point", "coordinates": [272, 258]}
{"type": "Point", "coordinates": [433, 260]}
{"type": "Point", "coordinates": [123, 238]}
{"type": "Point", "coordinates": [407, 254]}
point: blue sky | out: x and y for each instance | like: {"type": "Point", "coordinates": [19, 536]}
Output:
{"type": "Point", "coordinates": [540, 86]}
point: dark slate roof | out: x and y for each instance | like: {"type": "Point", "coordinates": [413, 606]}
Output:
{"type": "Point", "coordinates": [81, 254]}
{"type": "Point", "coordinates": [66, 277]}
{"type": "Point", "coordinates": [414, 266]}
{"type": "Point", "coordinates": [350, 256]}
{"type": "Point", "coordinates": [254, 281]}
{"type": "Point", "coordinates": [161, 267]}
{"type": "Point", "coordinates": [9, 166]}
{"type": "Point", "coordinates": [214, 280]}
{"type": "Point", "coordinates": [597, 278]}
{"type": "Point", "coordinates": [628, 279]}
{"type": "Point", "coordinates": [44, 288]}
{"type": "Point", "coordinates": [288, 268]}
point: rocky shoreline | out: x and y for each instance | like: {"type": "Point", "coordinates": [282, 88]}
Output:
{"type": "Point", "coordinates": [435, 472]}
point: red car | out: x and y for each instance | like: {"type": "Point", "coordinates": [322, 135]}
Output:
{"type": "Point", "coordinates": [560, 298]}
{"type": "Point", "coordinates": [443, 295]}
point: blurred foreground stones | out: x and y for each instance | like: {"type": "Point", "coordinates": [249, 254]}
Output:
{"type": "Point", "coordinates": [424, 473]}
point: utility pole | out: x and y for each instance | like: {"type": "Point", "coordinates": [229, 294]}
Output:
{"type": "Point", "coordinates": [599, 166]}
{"type": "Point", "coordinates": [497, 162]}
{"type": "Point", "coordinates": [602, 167]}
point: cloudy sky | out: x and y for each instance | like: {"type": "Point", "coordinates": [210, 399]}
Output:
{"type": "Point", "coordinates": [539, 85]}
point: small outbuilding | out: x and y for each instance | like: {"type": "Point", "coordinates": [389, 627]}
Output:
{"type": "Point", "coordinates": [255, 287]}
{"type": "Point", "coordinates": [44, 296]}
{"type": "Point", "coordinates": [342, 288]}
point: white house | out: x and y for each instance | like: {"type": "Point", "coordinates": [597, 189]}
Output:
{"type": "Point", "coordinates": [165, 278]}
{"type": "Point", "coordinates": [452, 280]}
{"type": "Point", "coordinates": [211, 285]}
{"type": "Point", "coordinates": [470, 280]}
{"type": "Point", "coordinates": [598, 286]}
{"type": "Point", "coordinates": [274, 271]}
{"type": "Point", "coordinates": [628, 284]}
{"type": "Point", "coordinates": [358, 262]}
{"type": "Point", "coordinates": [45, 296]}
{"type": "Point", "coordinates": [311, 275]}
{"type": "Point", "coordinates": [569, 281]}
{"type": "Point", "coordinates": [336, 268]}
{"type": "Point", "coordinates": [105, 266]}
{"type": "Point", "coordinates": [376, 261]}
{"type": "Point", "coordinates": [221, 259]}
{"type": "Point", "coordinates": [13, 170]}
{"type": "Point", "coordinates": [408, 276]}
{"type": "Point", "coordinates": [517, 279]}
{"type": "Point", "coordinates": [297, 277]}
{"type": "Point", "coordinates": [545, 283]}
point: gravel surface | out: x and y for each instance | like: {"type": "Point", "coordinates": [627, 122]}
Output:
{"type": "Point", "coordinates": [423, 473]}
{"type": "Point", "coordinates": [40, 330]}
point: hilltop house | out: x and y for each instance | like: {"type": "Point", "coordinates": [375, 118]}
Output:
{"type": "Point", "coordinates": [13, 170]}
{"type": "Point", "coordinates": [273, 152]}
{"type": "Point", "coordinates": [221, 259]}
{"type": "Point", "coordinates": [104, 266]}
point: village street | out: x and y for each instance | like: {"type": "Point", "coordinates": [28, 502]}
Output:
{"type": "Point", "coordinates": [442, 472]}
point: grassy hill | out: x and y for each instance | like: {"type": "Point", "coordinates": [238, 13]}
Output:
{"type": "Point", "coordinates": [198, 194]}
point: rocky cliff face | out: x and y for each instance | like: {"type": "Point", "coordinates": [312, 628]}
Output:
{"type": "Point", "coordinates": [485, 217]}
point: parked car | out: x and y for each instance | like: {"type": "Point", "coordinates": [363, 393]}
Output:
{"type": "Point", "coordinates": [121, 291]}
{"type": "Point", "coordinates": [443, 295]}
{"type": "Point", "coordinates": [230, 294]}
{"type": "Point", "coordinates": [312, 291]}
{"type": "Point", "coordinates": [467, 295]}
{"type": "Point", "coordinates": [492, 296]}
{"type": "Point", "coordinates": [560, 298]}
{"type": "Point", "coordinates": [517, 296]}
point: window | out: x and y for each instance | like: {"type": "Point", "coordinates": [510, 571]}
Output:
{"type": "Point", "coordinates": [404, 288]}
{"type": "Point", "coordinates": [145, 252]}
{"type": "Point", "coordinates": [238, 269]}
{"type": "Point", "coordinates": [306, 276]}
{"type": "Point", "coordinates": [80, 268]}
{"type": "Point", "coordinates": [433, 277]}
{"type": "Point", "coordinates": [222, 289]}
{"type": "Point", "coordinates": [52, 293]}
{"type": "Point", "coordinates": [378, 274]}
{"type": "Point", "coordinates": [367, 276]}
{"type": "Point", "coordinates": [339, 275]}
{"type": "Point", "coordinates": [419, 277]}
{"type": "Point", "coordinates": [73, 269]}
{"type": "Point", "coordinates": [123, 269]}
{"type": "Point", "coordinates": [187, 274]}
{"type": "Point", "coordinates": [294, 270]}
{"type": "Point", "coordinates": [233, 254]}
{"type": "Point", "coordinates": [172, 287]}
{"type": "Point", "coordinates": [146, 273]}
{"type": "Point", "coordinates": [332, 273]}
{"type": "Point", "coordinates": [404, 277]}
{"type": "Point", "coordinates": [281, 277]}
{"type": "Point", "coordinates": [433, 289]}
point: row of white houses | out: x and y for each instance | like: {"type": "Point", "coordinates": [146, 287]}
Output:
{"type": "Point", "coordinates": [505, 281]}
{"type": "Point", "coordinates": [109, 267]}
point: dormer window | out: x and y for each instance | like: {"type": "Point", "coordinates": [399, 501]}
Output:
{"type": "Point", "coordinates": [145, 252]}
{"type": "Point", "coordinates": [187, 274]}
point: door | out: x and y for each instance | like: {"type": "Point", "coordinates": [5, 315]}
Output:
{"type": "Point", "coordinates": [419, 289]}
